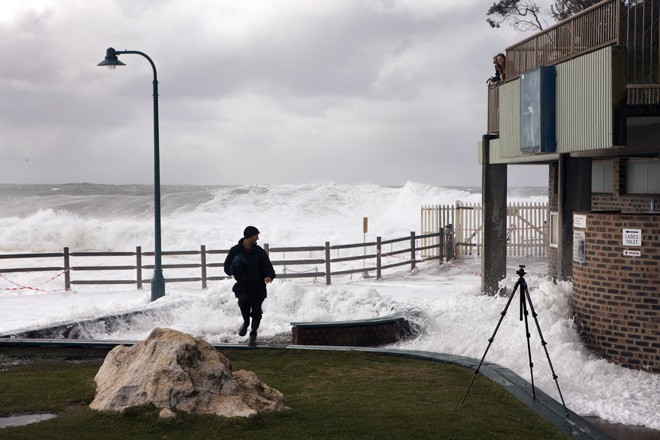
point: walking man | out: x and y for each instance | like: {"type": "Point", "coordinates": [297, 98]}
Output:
{"type": "Point", "coordinates": [250, 266]}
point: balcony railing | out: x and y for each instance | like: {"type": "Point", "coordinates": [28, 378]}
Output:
{"type": "Point", "coordinates": [634, 24]}
{"type": "Point", "coordinates": [584, 32]}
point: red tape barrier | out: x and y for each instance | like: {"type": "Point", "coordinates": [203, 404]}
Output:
{"type": "Point", "coordinates": [22, 287]}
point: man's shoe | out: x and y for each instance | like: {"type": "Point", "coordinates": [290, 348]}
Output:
{"type": "Point", "coordinates": [253, 338]}
{"type": "Point", "coordinates": [243, 330]}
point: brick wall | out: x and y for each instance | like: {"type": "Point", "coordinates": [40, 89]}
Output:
{"type": "Point", "coordinates": [617, 297]}
{"type": "Point", "coordinates": [618, 199]}
{"type": "Point", "coordinates": [362, 333]}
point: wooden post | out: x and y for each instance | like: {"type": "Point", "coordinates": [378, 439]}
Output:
{"type": "Point", "coordinates": [267, 249]}
{"type": "Point", "coordinates": [202, 253]}
{"type": "Point", "coordinates": [441, 250]}
{"type": "Point", "coordinates": [327, 263]}
{"type": "Point", "coordinates": [378, 257]}
{"type": "Point", "coordinates": [138, 265]}
{"type": "Point", "coordinates": [412, 250]}
{"type": "Point", "coordinates": [67, 270]}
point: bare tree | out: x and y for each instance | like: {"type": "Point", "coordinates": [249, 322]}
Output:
{"type": "Point", "coordinates": [562, 9]}
{"type": "Point", "coordinates": [526, 15]}
{"type": "Point", "coordinates": [522, 15]}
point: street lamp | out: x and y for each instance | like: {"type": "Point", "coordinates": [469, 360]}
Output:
{"type": "Point", "coordinates": [111, 61]}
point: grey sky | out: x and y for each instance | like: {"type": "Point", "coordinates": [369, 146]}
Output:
{"type": "Point", "coordinates": [260, 91]}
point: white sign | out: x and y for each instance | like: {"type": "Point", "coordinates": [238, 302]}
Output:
{"type": "Point", "coordinates": [579, 221]}
{"type": "Point", "coordinates": [632, 237]}
{"type": "Point", "coordinates": [631, 253]}
{"type": "Point", "coordinates": [578, 247]}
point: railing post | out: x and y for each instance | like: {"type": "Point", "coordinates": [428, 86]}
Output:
{"type": "Point", "coordinates": [441, 251]}
{"type": "Point", "coordinates": [572, 36]}
{"type": "Point", "coordinates": [378, 257]}
{"type": "Point", "coordinates": [202, 253]}
{"type": "Point", "coordinates": [412, 250]}
{"type": "Point", "coordinates": [67, 270]}
{"type": "Point", "coordinates": [617, 26]}
{"type": "Point", "coordinates": [267, 249]}
{"type": "Point", "coordinates": [458, 227]}
{"type": "Point", "coordinates": [449, 242]}
{"type": "Point", "coordinates": [327, 263]}
{"type": "Point", "coordinates": [138, 265]}
{"type": "Point", "coordinates": [536, 53]}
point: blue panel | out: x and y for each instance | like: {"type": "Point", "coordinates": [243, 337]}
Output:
{"type": "Point", "coordinates": [537, 110]}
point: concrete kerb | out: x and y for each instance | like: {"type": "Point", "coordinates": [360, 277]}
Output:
{"type": "Point", "coordinates": [543, 405]}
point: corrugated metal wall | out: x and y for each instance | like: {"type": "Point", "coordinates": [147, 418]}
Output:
{"type": "Point", "coordinates": [585, 110]}
{"type": "Point", "coordinates": [510, 119]}
{"type": "Point", "coordinates": [584, 102]}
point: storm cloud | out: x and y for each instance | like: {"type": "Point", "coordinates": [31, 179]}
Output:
{"type": "Point", "coordinates": [351, 91]}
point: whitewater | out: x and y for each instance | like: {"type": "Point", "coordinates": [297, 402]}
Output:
{"type": "Point", "coordinates": [442, 300]}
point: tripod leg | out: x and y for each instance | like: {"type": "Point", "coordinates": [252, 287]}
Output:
{"type": "Point", "coordinates": [544, 344]}
{"type": "Point", "coordinates": [525, 314]}
{"type": "Point", "coordinates": [490, 341]}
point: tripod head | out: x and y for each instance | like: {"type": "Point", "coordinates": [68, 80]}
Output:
{"type": "Point", "coordinates": [521, 271]}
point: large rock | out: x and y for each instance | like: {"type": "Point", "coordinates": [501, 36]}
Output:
{"type": "Point", "coordinates": [173, 370]}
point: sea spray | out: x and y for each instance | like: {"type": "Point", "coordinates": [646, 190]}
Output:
{"type": "Point", "coordinates": [85, 217]}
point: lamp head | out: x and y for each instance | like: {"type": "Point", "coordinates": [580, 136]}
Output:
{"type": "Point", "coordinates": [111, 61]}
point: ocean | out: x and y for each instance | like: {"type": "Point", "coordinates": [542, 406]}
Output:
{"type": "Point", "coordinates": [84, 216]}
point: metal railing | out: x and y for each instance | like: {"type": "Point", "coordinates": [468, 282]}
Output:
{"type": "Point", "coordinates": [586, 31]}
{"type": "Point", "coordinates": [640, 33]}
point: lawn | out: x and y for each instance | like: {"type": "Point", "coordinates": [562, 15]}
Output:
{"type": "Point", "coordinates": [332, 395]}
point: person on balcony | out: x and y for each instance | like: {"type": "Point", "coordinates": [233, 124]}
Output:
{"type": "Point", "coordinates": [250, 266]}
{"type": "Point", "coordinates": [499, 61]}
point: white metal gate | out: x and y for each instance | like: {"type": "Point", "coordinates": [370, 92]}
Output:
{"type": "Point", "coordinates": [527, 227]}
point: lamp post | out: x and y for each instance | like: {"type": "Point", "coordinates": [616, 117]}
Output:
{"type": "Point", "coordinates": [157, 282]}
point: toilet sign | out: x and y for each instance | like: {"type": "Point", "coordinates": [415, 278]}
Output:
{"type": "Point", "coordinates": [632, 237]}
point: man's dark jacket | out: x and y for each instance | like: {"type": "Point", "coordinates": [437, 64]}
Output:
{"type": "Point", "coordinates": [250, 285]}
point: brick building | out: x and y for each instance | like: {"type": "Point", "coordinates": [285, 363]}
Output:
{"type": "Point", "coordinates": [583, 99]}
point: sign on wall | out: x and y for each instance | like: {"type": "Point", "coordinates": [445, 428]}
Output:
{"type": "Point", "coordinates": [578, 247]}
{"type": "Point", "coordinates": [632, 237]}
{"type": "Point", "coordinates": [579, 221]}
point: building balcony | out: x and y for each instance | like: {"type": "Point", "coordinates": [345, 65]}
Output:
{"type": "Point", "coordinates": [630, 29]}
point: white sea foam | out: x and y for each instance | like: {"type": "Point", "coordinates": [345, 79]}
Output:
{"type": "Point", "coordinates": [107, 217]}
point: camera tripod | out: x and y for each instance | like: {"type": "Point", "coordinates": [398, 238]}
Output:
{"type": "Point", "coordinates": [524, 299]}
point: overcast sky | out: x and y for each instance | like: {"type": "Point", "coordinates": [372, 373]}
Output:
{"type": "Point", "coordinates": [251, 91]}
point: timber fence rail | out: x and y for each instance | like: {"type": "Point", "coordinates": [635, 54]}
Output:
{"type": "Point", "coordinates": [204, 265]}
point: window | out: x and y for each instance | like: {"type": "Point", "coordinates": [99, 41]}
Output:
{"type": "Point", "coordinates": [643, 176]}
{"type": "Point", "coordinates": [602, 177]}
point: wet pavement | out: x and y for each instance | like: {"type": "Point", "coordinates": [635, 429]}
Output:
{"type": "Point", "coordinates": [619, 431]}
{"type": "Point", "coordinates": [23, 420]}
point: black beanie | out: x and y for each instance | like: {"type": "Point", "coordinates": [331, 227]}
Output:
{"type": "Point", "coordinates": [250, 231]}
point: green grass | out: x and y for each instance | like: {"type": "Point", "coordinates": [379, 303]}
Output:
{"type": "Point", "coordinates": [333, 395]}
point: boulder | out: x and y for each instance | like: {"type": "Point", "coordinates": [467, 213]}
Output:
{"type": "Point", "coordinates": [173, 370]}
